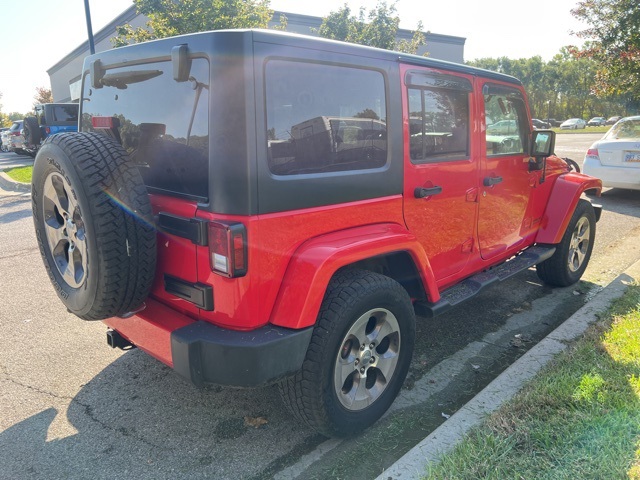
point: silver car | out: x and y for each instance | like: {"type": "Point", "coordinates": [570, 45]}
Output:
{"type": "Point", "coordinates": [15, 140]}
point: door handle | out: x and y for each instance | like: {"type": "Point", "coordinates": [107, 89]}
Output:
{"type": "Point", "coordinates": [421, 192]}
{"type": "Point", "coordinates": [491, 181]}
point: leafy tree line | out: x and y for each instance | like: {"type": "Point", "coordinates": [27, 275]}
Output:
{"type": "Point", "coordinates": [564, 87]}
{"type": "Point", "coordinates": [376, 28]}
{"type": "Point", "coordinates": [613, 41]}
{"type": "Point", "coordinates": [601, 78]}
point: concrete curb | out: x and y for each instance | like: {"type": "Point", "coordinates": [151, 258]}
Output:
{"type": "Point", "coordinates": [10, 185]}
{"type": "Point", "coordinates": [414, 463]}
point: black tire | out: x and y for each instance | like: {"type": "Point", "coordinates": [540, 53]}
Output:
{"type": "Point", "coordinates": [572, 254]}
{"type": "Point", "coordinates": [573, 164]}
{"type": "Point", "coordinates": [366, 325]}
{"type": "Point", "coordinates": [90, 206]}
{"type": "Point", "coordinates": [31, 131]}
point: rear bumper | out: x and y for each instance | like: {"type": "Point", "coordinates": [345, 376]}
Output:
{"type": "Point", "coordinates": [204, 353]}
{"type": "Point", "coordinates": [613, 176]}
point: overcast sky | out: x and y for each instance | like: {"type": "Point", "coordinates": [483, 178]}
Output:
{"type": "Point", "coordinates": [36, 38]}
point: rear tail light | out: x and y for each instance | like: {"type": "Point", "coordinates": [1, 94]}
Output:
{"type": "Point", "coordinates": [593, 153]}
{"type": "Point", "coordinates": [16, 133]}
{"type": "Point", "coordinates": [48, 130]}
{"type": "Point", "coordinates": [228, 248]}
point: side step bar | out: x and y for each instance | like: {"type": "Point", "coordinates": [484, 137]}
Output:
{"type": "Point", "coordinates": [475, 284]}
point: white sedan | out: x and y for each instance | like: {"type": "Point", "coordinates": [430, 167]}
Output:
{"type": "Point", "coordinates": [615, 159]}
{"type": "Point", "coordinates": [573, 124]}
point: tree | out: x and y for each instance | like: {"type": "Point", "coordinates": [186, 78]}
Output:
{"type": "Point", "coordinates": [561, 88]}
{"type": "Point", "coordinates": [168, 18]}
{"type": "Point", "coordinates": [43, 95]}
{"type": "Point", "coordinates": [614, 42]}
{"type": "Point", "coordinates": [379, 31]}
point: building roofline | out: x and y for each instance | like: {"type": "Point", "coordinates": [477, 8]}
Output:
{"type": "Point", "coordinates": [301, 19]}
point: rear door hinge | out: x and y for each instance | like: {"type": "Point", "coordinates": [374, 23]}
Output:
{"type": "Point", "coordinates": [194, 229]}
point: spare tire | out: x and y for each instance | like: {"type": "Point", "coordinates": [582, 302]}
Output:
{"type": "Point", "coordinates": [93, 223]}
{"type": "Point", "coordinates": [31, 131]}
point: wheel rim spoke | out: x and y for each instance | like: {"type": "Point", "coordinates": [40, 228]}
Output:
{"type": "Point", "coordinates": [346, 367]}
{"type": "Point", "coordinates": [387, 364]}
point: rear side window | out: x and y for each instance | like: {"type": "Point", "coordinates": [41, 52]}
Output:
{"type": "Point", "coordinates": [324, 118]}
{"type": "Point", "coordinates": [161, 123]}
{"type": "Point", "coordinates": [438, 118]}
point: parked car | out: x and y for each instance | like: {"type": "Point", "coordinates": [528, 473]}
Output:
{"type": "Point", "coordinates": [539, 124]}
{"type": "Point", "coordinates": [573, 124]}
{"type": "Point", "coordinates": [287, 225]}
{"type": "Point", "coordinates": [49, 119]}
{"type": "Point", "coordinates": [597, 122]}
{"type": "Point", "coordinates": [553, 122]}
{"type": "Point", "coordinates": [503, 127]}
{"type": "Point", "coordinates": [15, 141]}
{"type": "Point", "coordinates": [615, 158]}
{"type": "Point", "coordinates": [612, 120]}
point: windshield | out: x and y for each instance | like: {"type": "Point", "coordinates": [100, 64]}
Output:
{"type": "Point", "coordinates": [629, 128]}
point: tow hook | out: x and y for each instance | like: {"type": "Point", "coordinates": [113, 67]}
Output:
{"type": "Point", "coordinates": [115, 340]}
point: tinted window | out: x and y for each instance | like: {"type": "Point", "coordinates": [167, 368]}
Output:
{"type": "Point", "coordinates": [438, 124]}
{"type": "Point", "coordinates": [163, 124]}
{"type": "Point", "coordinates": [65, 113]}
{"type": "Point", "coordinates": [324, 118]}
{"type": "Point", "coordinates": [507, 123]}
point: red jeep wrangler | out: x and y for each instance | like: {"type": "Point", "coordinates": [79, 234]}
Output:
{"type": "Point", "coordinates": [253, 206]}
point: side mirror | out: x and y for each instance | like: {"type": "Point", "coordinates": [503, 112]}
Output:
{"type": "Point", "coordinates": [543, 143]}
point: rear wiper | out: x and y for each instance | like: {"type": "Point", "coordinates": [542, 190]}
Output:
{"type": "Point", "coordinates": [120, 80]}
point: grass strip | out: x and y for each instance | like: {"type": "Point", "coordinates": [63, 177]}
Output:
{"type": "Point", "coordinates": [602, 130]}
{"type": "Point", "coordinates": [579, 418]}
{"type": "Point", "coordinates": [20, 174]}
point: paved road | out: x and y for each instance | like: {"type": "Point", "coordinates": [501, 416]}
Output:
{"type": "Point", "coordinates": [74, 408]}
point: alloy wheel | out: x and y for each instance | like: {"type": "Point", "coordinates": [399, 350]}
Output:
{"type": "Point", "coordinates": [367, 359]}
{"type": "Point", "coordinates": [579, 244]}
{"type": "Point", "coordinates": [65, 230]}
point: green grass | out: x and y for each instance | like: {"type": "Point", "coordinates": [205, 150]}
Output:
{"type": "Point", "coordinates": [579, 419]}
{"type": "Point", "coordinates": [602, 130]}
{"type": "Point", "coordinates": [20, 174]}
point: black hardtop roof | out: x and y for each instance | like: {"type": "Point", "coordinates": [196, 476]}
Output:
{"type": "Point", "coordinates": [275, 36]}
{"type": "Point", "coordinates": [155, 47]}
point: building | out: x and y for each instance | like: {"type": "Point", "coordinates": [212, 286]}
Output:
{"type": "Point", "coordinates": [66, 74]}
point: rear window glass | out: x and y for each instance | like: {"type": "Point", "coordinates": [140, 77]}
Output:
{"type": "Point", "coordinates": [162, 124]}
{"type": "Point", "coordinates": [65, 113]}
{"type": "Point", "coordinates": [438, 124]}
{"type": "Point", "coordinates": [324, 118]}
{"type": "Point", "coordinates": [629, 128]}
